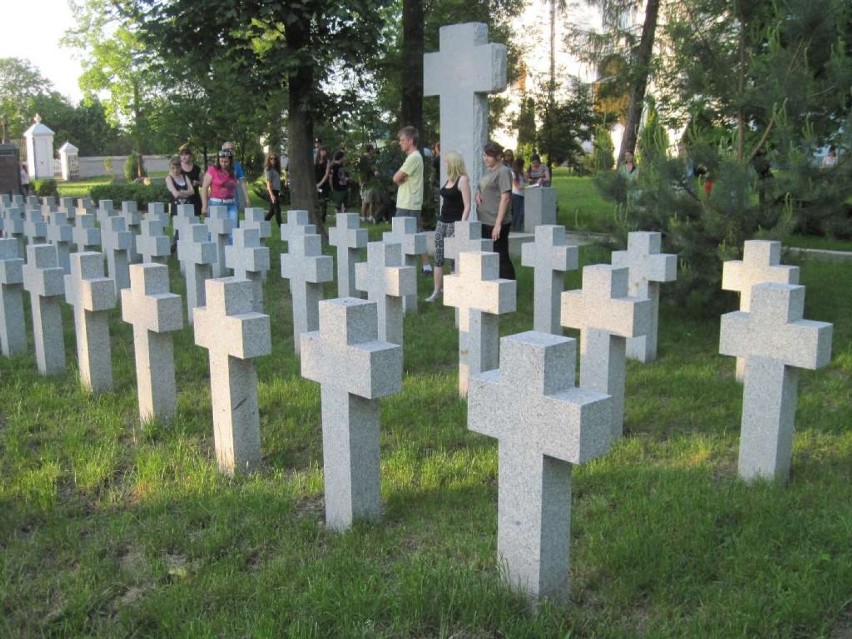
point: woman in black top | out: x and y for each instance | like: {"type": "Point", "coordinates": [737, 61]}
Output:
{"type": "Point", "coordinates": [193, 173]}
{"type": "Point", "coordinates": [456, 197]}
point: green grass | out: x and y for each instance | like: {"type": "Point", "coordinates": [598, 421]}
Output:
{"type": "Point", "coordinates": [817, 242]}
{"type": "Point", "coordinates": [581, 206]}
{"type": "Point", "coordinates": [111, 529]}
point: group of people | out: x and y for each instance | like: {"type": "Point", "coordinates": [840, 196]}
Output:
{"type": "Point", "coordinates": [498, 196]}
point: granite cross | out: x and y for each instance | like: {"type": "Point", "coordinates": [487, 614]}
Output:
{"type": "Point", "coordinates": [92, 295]}
{"type": "Point", "coordinates": [233, 335]}
{"type": "Point", "coordinates": [386, 280]}
{"type": "Point", "coordinates": [86, 236]}
{"type": "Point", "coordinates": [155, 313]}
{"type": "Point", "coordinates": [43, 278]}
{"type": "Point", "coordinates": [306, 268]}
{"type": "Point", "coordinates": [13, 336]}
{"type": "Point", "coordinates": [152, 243]}
{"type": "Point", "coordinates": [775, 342]}
{"type": "Point", "coordinates": [348, 237]}
{"type": "Point", "coordinates": [551, 257]}
{"type": "Point", "coordinates": [354, 369]}
{"type": "Point", "coordinates": [404, 231]}
{"type": "Point", "coordinates": [220, 228]}
{"type": "Point", "coordinates": [249, 261]}
{"type": "Point", "coordinates": [544, 425]}
{"type": "Point", "coordinates": [480, 296]}
{"type": "Point", "coordinates": [647, 269]}
{"type": "Point", "coordinates": [605, 317]}
{"type": "Point", "coordinates": [465, 70]}
{"type": "Point", "coordinates": [196, 254]}
{"type": "Point", "coordinates": [761, 263]}
{"type": "Point", "coordinates": [117, 240]}
{"type": "Point", "coordinates": [59, 233]}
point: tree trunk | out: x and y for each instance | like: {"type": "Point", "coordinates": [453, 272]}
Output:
{"type": "Point", "coordinates": [643, 68]}
{"type": "Point", "coordinates": [300, 128]}
{"type": "Point", "coordinates": [411, 112]}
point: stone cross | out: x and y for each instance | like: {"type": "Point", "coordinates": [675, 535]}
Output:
{"type": "Point", "coordinates": [348, 237]}
{"type": "Point", "coordinates": [86, 236]}
{"type": "Point", "coordinates": [183, 219]}
{"type": "Point", "coordinates": [466, 238]}
{"type": "Point", "coordinates": [131, 218]}
{"type": "Point", "coordinates": [34, 227]}
{"type": "Point", "coordinates": [66, 205]}
{"type": "Point", "coordinates": [550, 256]}
{"type": "Point", "coordinates": [117, 240]}
{"type": "Point", "coordinates": [540, 208]}
{"type": "Point", "coordinates": [32, 202]}
{"type": "Point", "coordinates": [13, 227]}
{"type": "Point", "coordinates": [254, 220]}
{"type": "Point", "coordinates": [59, 233]}
{"type": "Point", "coordinates": [85, 207]}
{"type": "Point", "coordinates": [605, 317]}
{"type": "Point", "coordinates": [152, 243]}
{"type": "Point", "coordinates": [465, 70]}
{"type": "Point", "coordinates": [155, 313]}
{"type": "Point", "coordinates": [386, 281]}
{"type": "Point", "coordinates": [196, 253]}
{"type": "Point", "coordinates": [249, 261]}
{"type": "Point", "coordinates": [297, 225]}
{"type": "Point", "coordinates": [480, 296]}
{"type": "Point", "coordinates": [544, 425]}
{"type": "Point", "coordinates": [92, 295]}
{"type": "Point", "coordinates": [306, 268]}
{"type": "Point", "coordinates": [761, 263]}
{"type": "Point", "coordinates": [13, 336]}
{"type": "Point", "coordinates": [647, 269]}
{"type": "Point", "coordinates": [220, 228]}
{"type": "Point", "coordinates": [404, 231]}
{"type": "Point", "coordinates": [157, 211]}
{"type": "Point", "coordinates": [354, 369]}
{"type": "Point", "coordinates": [775, 342]}
{"type": "Point", "coordinates": [234, 335]}
{"type": "Point", "coordinates": [43, 278]}
{"type": "Point", "coordinates": [105, 210]}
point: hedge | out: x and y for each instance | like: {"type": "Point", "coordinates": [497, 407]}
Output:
{"type": "Point", "coordinates": [142, 194]}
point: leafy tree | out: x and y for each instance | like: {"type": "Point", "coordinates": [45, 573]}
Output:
{"type": "Point", "coordinates": [567, 122]}
{"type": "Point", "coordinates": [21, 84]}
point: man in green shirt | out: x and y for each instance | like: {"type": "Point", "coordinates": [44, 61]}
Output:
{"type": "Point", "coordinates": [409, 179]}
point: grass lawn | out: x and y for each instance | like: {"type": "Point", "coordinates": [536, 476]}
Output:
{"type": "Point", "coordinates": [110, 529]}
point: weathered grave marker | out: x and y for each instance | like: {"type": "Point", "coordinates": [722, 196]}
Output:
{"type": "Point", "coordinates": [196, 253]}
{"type": "Point", "coordinates": [154, 312]}
{"type": "Point", "coordinates": [220, 228]}
{"type": "Point", "coordinates": [233, 335]}
{"type": "Point", "coordinates": [306, 268]}
{"type": "Point", "coordinates": [60, 234]}
{"type": "Point", "coordinates": [13, 336]}
{"type": "Point", "coordinates": [152, 242]}
{"type": "Point", "coordinates": [550, 256]}
{"type": "Point", "coordinates": [647, 269]}
{"type": "Point", "coordinates": [539, 207]}
{"type": "Point", "coordinates": [86, 236]}
{"type": "Point", "coordinates": [761, 263]}
{"type": "Point", "coordinates": [43, 278]}
{"type": "Point", "coordinates": [348, 237]}
{"type": "Point", "coordinates": [404, 231]}
{"type": "Point", "coordinates": [544, 425]}
{"type": "Point", "coordinates": [132, 220]}
{"type": "Point", "coordinates": [254, 220]}
{"type": "Point", "coordinates": [250, 261]}
{"type": "Point", "coordinates": [117, 240]}
{"type": "Point", "coordinates": [92, 295]}
{"type": "Point", "coordinates": [463, 72]}
{"type": "Point", "coordinates": [386, 281]}
{"type": "Point", "coordinates": [605, 317]}
{"type": "Point", "coordinates": [775, 342]}
{"type": "Point", "coordinates": [354, 369]}
{"type": "Point", "coordinates": [480, 296]}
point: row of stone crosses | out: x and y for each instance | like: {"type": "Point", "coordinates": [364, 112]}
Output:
{"type": "Point", "coordinates": [520, 389]}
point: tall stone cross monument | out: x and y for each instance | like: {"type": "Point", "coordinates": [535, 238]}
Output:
{"type": "Point", "coordinates": [463, 73]}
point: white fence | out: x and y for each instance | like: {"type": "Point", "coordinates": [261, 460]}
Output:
{"type": "Point", "coordinates": [94, 166]}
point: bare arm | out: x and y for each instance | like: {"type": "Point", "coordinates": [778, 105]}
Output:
{"type": "Point", "coordinates": [464, 187]}
{"type": "Point", "coordinates": [205, 185]}
{"type": "Point", "coordinates": [399, 177]}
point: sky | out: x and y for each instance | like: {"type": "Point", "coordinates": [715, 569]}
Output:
{"type": "Point", "coordinates": [32, 30]}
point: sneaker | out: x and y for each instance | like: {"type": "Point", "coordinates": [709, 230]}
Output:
{"type": "Point", "coordinates": [434, 297]}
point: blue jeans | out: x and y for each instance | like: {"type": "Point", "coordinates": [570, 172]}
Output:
{"type": "Point", "coordinates": [233, 212]}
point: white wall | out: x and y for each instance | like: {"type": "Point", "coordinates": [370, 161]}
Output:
{"type": "Point", "coordinates": [93, 166]}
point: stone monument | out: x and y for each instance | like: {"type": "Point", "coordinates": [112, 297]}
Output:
{"type": "Point", "coordinates": [306, 268]}
{"type": "Point", "coordinates": [550, 256]}
{"type": "Point", "coordinates": [544, 425]}
{"type": "Point", "coordinates": [348, 237]}
{"type": "Point", "coordinates": [43, 278]}
{"type": "Point", "coordinates": [386, 281]}
{"type": "Point", "coordinates": [234, 335]}
{"type": "Point", "coordinates": [404, 231]}
{"type": "Point", "coordinates": [354, 370]}
{"type": "Point", "coordinates": [775, 342]}
{"type": "Point", "coordinates": [13, 336]}
{"type": "Point", "coordinates": [196, 254]}
{"type": "Point", "coordinates": [647, 269]}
